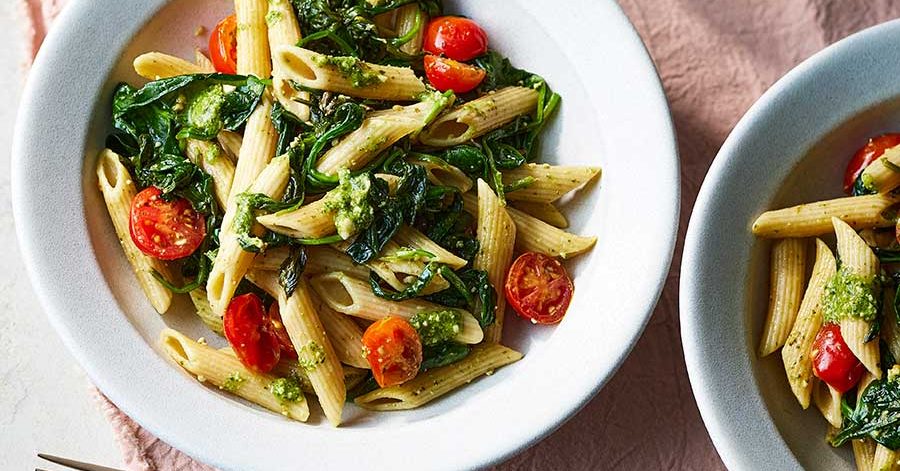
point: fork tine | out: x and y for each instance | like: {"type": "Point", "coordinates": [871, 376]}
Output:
{"type": "Point", "coordinates": [79, 465]}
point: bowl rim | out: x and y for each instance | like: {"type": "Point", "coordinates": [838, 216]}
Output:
{"type": "Point", "coordinates": [57, 57]}
{"type": "Point", "coordinates": [706, 378]}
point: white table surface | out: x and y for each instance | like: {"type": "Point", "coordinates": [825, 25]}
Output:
{"type": "Point", "coordinates": [45, 398]}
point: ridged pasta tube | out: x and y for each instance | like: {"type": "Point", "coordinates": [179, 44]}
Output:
{"type": "Point", "coordinates": [496, 233]}
{"type": "Point", "coordinates": [787, 272]}
{"type": "Point", "coordinates": [479, 116]}
{"type": "Point", "coordinates": [814, 219]}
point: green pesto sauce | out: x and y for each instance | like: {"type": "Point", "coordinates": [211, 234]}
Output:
{"type": "Point", "coordinates": [311, 356]}
{"type": "Point", "coordinates": [356, 71]}
{"type": "Point", "coordinates": [233, 382]}
{"type": "Point", "coordinates": [203, 113]}
{"type": "Point", "coordinates": [435, 327]}
{"type": "Point", "coordinates": [868, 183]}
{"type": "Point", "coordinates": [286, 389]}
{"type": "Point", "coordinates": [849, 295]}
{"type": "Point", "coordinates": [243, 223]}
{"type": "Point", "coordinates": [350, 203]}
{"type": "Point", "coordinates": [273, 17]}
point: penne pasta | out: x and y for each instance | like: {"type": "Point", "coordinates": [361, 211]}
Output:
{"type": "Point", "coordinates": [796, 351]}
{"type": "Point", "coordinates": [550, 181]}
{"type": "Point", "coordinates": [787, 270]}
{"type": "Point", "coordinates": [411, 21]}
{"type": "Point", "coordinates": [212, 159]}
{"type": "Point", "coordinates": [444, 174]}
{"type": "Point", "coordinates": [232, 261]}
{"type": "Point", "coordinates": [355, 298]}
{"type": "Point", "coordinates": [253, 56]}
{"type": "Point", "coordinates": [203, 62]}
{"type": "Point", "coordinates": [411, 237]}
{"type": "Point", "coordinates": [118, 190]}
{"type": "Point", "coordinates": [495, 232]}
{"type": "Point", "coordinates": [863, 453]}
{"type": "Point", "coordinates": [231, 143]}
{"type": "Point", "coordinates": [378, 132]}
{"type": "Point", "coordinates": [205, 311]}
{"type": "Point", "coordinates": [858, 259]}
{"type": "Point", "coordinates": [257, 148]}
{"type": "Point", "coordinates": [479, 116]}
{"type": "Point", "coordinates": [828, 401]}
{"type": "Point", "coordinates": [883, 175]}
{"type": "Point", "coordinates": [314, 349]}
{"type": "Point", "coordinates": [434, 383]}
{"type": "Point", "coordinates": [544, 211]}
{"type": "Point", "coordinates": [157, 65]}
{"type": "Point", "coordinates": [814, 219]}
{"type": "Point", "coordinates": [284, 30]}
{"type": "Point", "coordinates": [534, 235]}
{"type": "Point", "coordinates": [347, 75]}
{"type": "Point", "coordinates": [884, 459]}
{"type": "Point", "coordinates": [227, 373]}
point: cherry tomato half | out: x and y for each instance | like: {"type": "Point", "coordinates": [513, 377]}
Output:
{"type": "Point", "coordinates": [833, 362]}
{"type": "Point", "coordinates": [249, 332]}
{"type": "Point", "coordinates": [223, 45]}
{"type": "Point", "coordinates": [448, 74]}
{"type": "Point", "coordinates": [394, 351]}
{"type": "Point", "coordinates": [277, 328]}
{"type": "Point", "coordinates": [455, 37]}
{"type": "Point", "coordinates": [866, 155]}
{"type": "Point", "coordinates": [166, 230]}
{"type": "Point", "coordinates": [538, 288]}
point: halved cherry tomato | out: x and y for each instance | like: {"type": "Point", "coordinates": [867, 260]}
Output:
{"type": "Point", "coordinates": [448, 74]}
{"type": "Point", "coordinates": [538, 288]}
{"type": "Point", "coordinates": [249, 332]}
{"type": "Point", "coordinates": [394, 351]}
{"type": "Point", "coordinates": [458, 38]}
{"type": "Point", "coordinates": [166, 230]}
{"type": "Point", "coordinates": [866, 155]}
{"type": "Point", "coordinates": [833, 362]}
{"type": "Point", "coordinates": [277, 328]}
{"type": "Point", "coordinates": [223, 45]}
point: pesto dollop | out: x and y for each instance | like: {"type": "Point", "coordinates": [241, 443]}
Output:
{"type": "Point", "coordinates": [286, 389]}
{"type": "Point", "coordinates": [311, 356]}
{"type": "Point", "coordinates": [203, 115]}
{"type": "Point", "coordinates": [233, 382]}
{"type": "Point", "coordinates": [350, 203]}
{"type": "Point", "coordinates": [849, 295]}
{"type": "Point", "coordinates": [356, 71]}
{"type": "Point", "coordinates": [435, 327]}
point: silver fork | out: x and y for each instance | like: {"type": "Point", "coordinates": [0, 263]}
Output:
{"type": "Point", "coordinates": [81, 466]}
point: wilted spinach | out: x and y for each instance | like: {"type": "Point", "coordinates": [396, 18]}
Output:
{"type": "Point", "coordinates": [443, 354]}
{"type": "Point", "coordinates": [876, 415]}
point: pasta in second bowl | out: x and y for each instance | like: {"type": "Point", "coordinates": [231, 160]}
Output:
{"type": "Point", "coordinates": [791, 148]}
{"type": "Point", "coordinates": [106, 320]}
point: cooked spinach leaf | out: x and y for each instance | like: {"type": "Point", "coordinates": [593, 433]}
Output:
{"type": "Point", "coordinates": [876, 415]}
{"type": "Point", "coordinates": [443, 354]}
{"type": "Point", "coordinates": [414, 289]}
{"type": "Point", "coordinates": [291, 269]}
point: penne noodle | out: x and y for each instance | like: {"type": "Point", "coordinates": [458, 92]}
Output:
{"type": "Point", "coordinates": [156, 65]}
{"type": "Point", "coordinates": [857, 257]}
{"type": "Point", "coordinates": [828, 401]}
{"type": "Point", "coordinates": [534, 235]}
{"type": "Point", "coordinates": [544, 211]}
{"type": "Point", "coordinates": [814, 219]}
{"type": "Point", "coordinates": [252, 39]}
{"type": "Point", "coordinates": [883, 175]}
{"type": "Point", "coordinates": [444, 174]}
{"type": "Point", "coordinates": [118, 190]}
{"type": "Point", "coordinates": [212, 159]}
{"type": "Point", "coordinates": [227, 373]}
{"type": "Point", "coordinates": [411, 237]}
{"type": "Point", "coordinates": [205, 311]}
{"type": "Point", "coordinates": [863, 453]}
{"type": "Point", "coordinates": [314, 349]}
{"type": "Point", "coordinates": [355, 298]}
{"type": "Point", "coordinates": [796, 351]}
{"type": "Point", "coordinates": [787, 270]}
{"type": "Point", "coordinates": [232, 262]}
{"type": "Point", "coordinates": [203, 62]}
{"type": "Point", "coordinates": [550, 181]}
{"type": "Point", "coordinates": [479, 116]}
{"type": "Point", "coordinates": [257, 148]}
{"type": "Point", "coordinates": [284, 30]}
{"type": "Point", "coordinates": [346, 75]}
{"type": "Point", "coordinates": [434, 383]}
{"type": "Point", "coordinates": [231, 143]}
{"type": "Point", "coordinates": [884, 459]}
{"type": "Point", "coordinates": [378, 132]}
{"type": "Point", "coordinates": [496, 233]}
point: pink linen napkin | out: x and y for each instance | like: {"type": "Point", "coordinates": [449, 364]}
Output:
{"type": "Point", "coordinates": [715, 58]}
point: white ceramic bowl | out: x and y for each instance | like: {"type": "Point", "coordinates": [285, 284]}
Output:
{"type": "Point", "coordinates": [614, 113]}
{"type": "Point", "coordinates": [791, 147]}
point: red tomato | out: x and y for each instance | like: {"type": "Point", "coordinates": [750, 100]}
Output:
{"type": "Point", "coordinates": [394, 351]}
{"type": "Point", "coordinates": [833, 362]}
{"type": "Point", "coordinates": [538, 288]}
{"type": "Point", "coordinates": [249, 332]}
{"type": "Point", "coordinates": [866, 155]}
{"type": "Point", "coordinates": [448, 74]}
{"type": "Point", "coordinates": [166, 230]}
{"type": "Point", "coordinates": [277, 328]}
{"type": "Point", "coordinates": [223, 45]}
{"type": "Point", "coordinates": [458, 38]}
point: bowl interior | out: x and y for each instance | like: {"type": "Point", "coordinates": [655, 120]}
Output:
{"type": "Point", "coordinates": [612, 101]}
